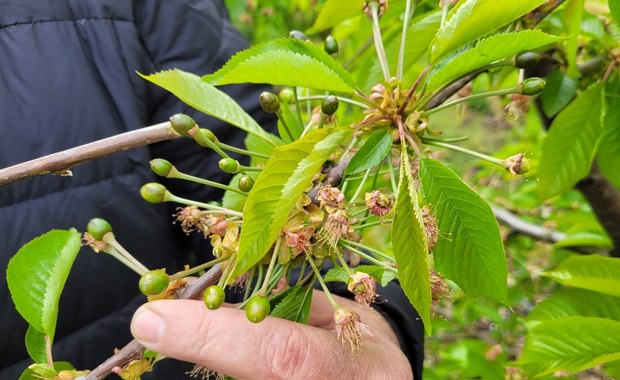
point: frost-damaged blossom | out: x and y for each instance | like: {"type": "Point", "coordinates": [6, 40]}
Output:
{"type": "Point", "coordinates": [336, 227]}
{"type": "Point", "coordinates": [519, 105]}
{"type": "Point", "coordinates": [383, 7]}
{"type": "Point", "coordinates": [192, 218]}
{"type": "Point", "coordinates": [517, 164]}
{"type": "Point", "coordinates": [439, 287]}
{"type": "Point", "coordinates": [227, 245]}
{"type": "Point", "coordinates": [205, 373]}
{"type": "Point", "coordinates": [349, 327]}
{"type": "Point", "coordinates": [364, 287]}
{"type": "Point", "coordinates": [430, 227]}
{"type": "Point", "coordinates": [94, 244]}
{"type": "Point", "coordinates": [379, 203]}
{"type": "Point", "coordinates": [331, 198]}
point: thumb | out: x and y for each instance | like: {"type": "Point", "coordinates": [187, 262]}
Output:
{"type": "Point", "coordinates": [225, 341]}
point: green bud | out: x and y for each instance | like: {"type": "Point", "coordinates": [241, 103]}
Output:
{"type": "Point", "coordinates": [296, 34]}
{"type": "Point", "coordinates": [229, 165]}
{"type": "Point", "coordinates": [213, 297]}
{"type": "Point", "coordinates": [182, 123]}
{"type": "Point", "coordinates": [154, 282]}
{"type": "Point", "coordinates": [154, 192]}
{"type": "Point", "coordinates": [526, 59]}
{"type": "Point", "coordinates": [203, 136]}
{"type": "Point", "coordinates": [532, 86]}
{"type": "Point", "coordinates": [329, 105]}
{"type": "Point", "coordinates": [98, 227]}
{"type": "Point", "coordinates": [257, 308]}
{"type": "Point", "coordinates": [287, 95]}
{"type": "Point", "coordinates": [161, 167]}
{"type": "Point", "coordinates": [331, 45]}
{"type": "Point", "coordinates": [269, 101]}
{"type": "Point", "coordinates": [246, 183]}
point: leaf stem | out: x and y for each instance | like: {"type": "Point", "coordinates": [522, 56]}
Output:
{"type": "Point", "coordinates": [196, 269]}
{"type": "Point", "coordinates": [376, 32]}
{"type": "Point", "coordinates": [317, 273]}
{"type": "Point", "coordinates": [48, 351]}
{"type": "Point", "coordinates": [504, 91]}
{"type": "Point", "coordinates": [409, 10]}
{"type": "Point", "coordinates": [175, 173]}
{"type": "Point", "coordinates": [457, 148]}
{"type": "Point", "coordinates": [241, 151]}
{"type": "Point", "coordinates": [212, 208]}
{"type": "Point", "coordinates": [369, 257]}
{"type": "Point", "coordinates": [286, 128]}
{"type": "Point", "coordinates": [272, 263]}
{"type": "Point", "coordinates": [369, 249]}
{"type": "Point", "coordinates": [360, 187]}
{"type": "Point", "coordinates": [340, 98]}
{"type": "Point", "coordinates": [117, 251]}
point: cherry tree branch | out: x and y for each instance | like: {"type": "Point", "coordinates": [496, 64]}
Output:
{"type": "Point", "coordinates": [133, 350]}
{"type": "Point", "coordinates": [60, 163]}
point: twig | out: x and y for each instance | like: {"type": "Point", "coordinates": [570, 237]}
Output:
{"type": "Point", "coordinates": [61, 162]}
{"type": "Point", "coordinates": [519, 225]}
{"type": "Point", "coordinates": [133, 350]}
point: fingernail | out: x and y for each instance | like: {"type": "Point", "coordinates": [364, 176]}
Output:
{"type": "Point", "coordinates": [147, 326]}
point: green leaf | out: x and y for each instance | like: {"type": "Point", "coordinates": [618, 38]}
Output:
{"type": "Point", "coordinates": [380, 274]}
{"type": "Point", "coordinates": [470, 250]}
{"type": "Point", "coordinates": [292, 122]}
{"type": "Point", "coordinates": [334, 12]}
{"type": "Point", "coordinates": [568, 148]}
{"type": "Point", "coordinates": [608, 152]}
{"type": "Point", "coordinates": [558, 92]}
{"type": "Point", "coordinates": [572, 20]}
{"type": "Point", "coordinates": [409, 245]}
{"type": "Point", "coordinates": [374, 150]}
{"type": "Point", "coordinates": [614, 7]}
{"type": "Point", "coordinates": [593, 272]}
{"type": "Point", "coordinates": [574, 302]}
{"type": "Point", "coordinates": [286, 62]}
{"type": "Point", "coordinates": [35, 345]}
{"type": "Point", "coordinates": [37, 371]}
{"type": "Point", "coordinates": [295, 305]}
{"type": "Point", "coordinates": [37, 274]}
{"type": "Point", "coordinates": [485, 52]}
{"type": "Point", "coordinates": [286, 175]}
{"type": "Point", "coordinates": [584, 239]}
{"type": "Point", "coordinates": [472, 19]}
{"type": "Point", "coordinates": [208, 99]}
{"type": "Point", "coordinates": [571, 343]}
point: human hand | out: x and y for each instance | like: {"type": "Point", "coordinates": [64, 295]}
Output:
{"type": "Point", "coordinates": [225, 341]}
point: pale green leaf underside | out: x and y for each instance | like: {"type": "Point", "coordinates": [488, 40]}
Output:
{"type": "Point", "coordinates": [614, 7]}
{"type": "Point", "coordinates": [409, 245]}
{"type": "Point", "coordinates": [334, 12]}
{"type": "Point", "coordinates": [575, 302]}
{"type": "Point", "coordinates": [35, 345]}
{"type": "Point", "coordinates": [593, 272]}
{"type": "Point", "coordinates": [287, 62]}
{"type": "Point", "coordinates": [374, 150]}
{"type": "Point", "coordinates": [487, 51]}
{"type": "Point", "coordinates": [469, 250]}
{"type": "Point", "coordinates": [473, 19]}
{"type": "Point", "coordinates": [208, 99]}
{"type": "Point", "coordinates": [608, 152]}
{"type": "Point", "coordinates": [568, 148]}
{"type": "Point", "coordinates": [571, 343]}
{"type": "Point", "coordinates": [37, 274]}
{"type": "Point", "coordinates": [278, 187]}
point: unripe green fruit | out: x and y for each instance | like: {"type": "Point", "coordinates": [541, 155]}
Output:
{"type": "Point", "coordinates": [205, 137]}
{"type": "Point", "coordinates": [246, 183]}
{"type": "Point", "coordinates": [229, 165]}
{"type": "Point", "coordinates": [532, 86]}
{"type": "Point", "coordinates": [296, 34]}
{"type": "Point", "coordinates": [181, 123]}
{"type": "Point", "coordinates": [257, 309]}
{"type": "Point", "coordinates": [526, 59]}
{"type": "Point", "coordinates": [287, 95]}
{"type": "Point", "coordinates": [98, 227]}
{"type": "Point", "coordinates": [214, 297]}
{"type": "Point", "coordinates": [329, 105]}
{"type": "Point", "coordinates": [331, 45]}
{"type": "Point", "coordinates": [269, 101]}
{"type": "Point", "coordinates": [153, 192]}
{"type": "Point", "coordinates": [161, 167]}
{"type": "Point", "coordinates": [154, 282]}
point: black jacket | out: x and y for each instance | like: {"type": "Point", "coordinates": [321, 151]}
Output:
{"type": "Point", "coordinates": [67, 77]}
